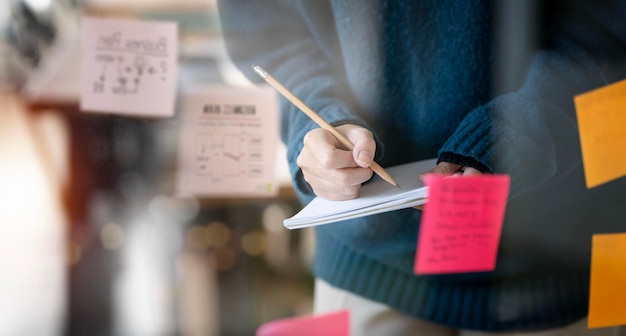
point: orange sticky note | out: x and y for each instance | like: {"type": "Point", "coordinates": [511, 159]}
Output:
{"type": "Point", "coordinates": [601, 117]}
{"type": "Point", "coordinates": [461, 224]}
{"type": "Point", "coordinates": [607, 293]}
{"type": "Point", "coordinates": [331, 324]}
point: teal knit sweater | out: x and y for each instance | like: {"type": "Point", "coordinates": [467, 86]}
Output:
{"type": "Point", "coordinates": [433, 78]}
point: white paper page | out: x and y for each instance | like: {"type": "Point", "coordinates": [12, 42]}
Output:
{"type": "Point", "coordinates": [129, 66]}
{"type": "Point", "coordinates": [229, 137]}
{"type": "Point", "coordinates": [380, 208]}
{"type": "Point", "coordinates": [376, 196]}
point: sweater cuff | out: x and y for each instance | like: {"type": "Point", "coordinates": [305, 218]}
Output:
{"type": "Point", "coordinates": [504, 137]}
{"type": "Point", "coordinates": [470, 145]}
{"type": "Point", "coordinates": [463, 161]}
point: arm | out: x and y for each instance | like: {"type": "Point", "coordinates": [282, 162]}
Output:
{"type": "Point", "coordinates": [302, 62]}
{"type": "Point", "coordinates": [532, 134]}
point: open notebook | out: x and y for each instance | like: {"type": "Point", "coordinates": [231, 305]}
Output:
{"type": "Point", "coordinates": [376, 196]}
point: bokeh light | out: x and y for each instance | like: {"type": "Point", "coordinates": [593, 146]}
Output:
{"type": "Point", "coordinates": [112, 236]}
{"type": "Point", "coordinates": [254, 243]}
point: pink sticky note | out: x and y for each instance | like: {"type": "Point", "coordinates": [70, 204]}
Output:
{"type": "Point", "coordinates": [330, 324]}
{"type": "Point", "coordinates": [461, 224]}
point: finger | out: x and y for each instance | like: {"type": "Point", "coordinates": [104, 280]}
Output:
{"type": "Point", "coordinates": [322, 147]}
{"type": "Point", "coordinates": [462, 172]}
{"type": "Point", "coordinates": [338, 184]}
{"type": "Point", "coordinates": [331, 178]}
{"type": "Point", "coordinates": [444, 168]}
{"type": "Point", "coordinates": [364, 144]}
{"type": "Point", "coordinates": [469, 171]}
{"type": "Point", "coordinates": [466, 171]}
{"type": "Point", "coordinates": [337, 194]}
{"type": "Point", "coordinates": [336, 179]}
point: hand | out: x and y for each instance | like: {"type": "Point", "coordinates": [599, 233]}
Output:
{"type": "Point", "coordinates": [335, 173]}
{"type": "Point", "coordinates": [453, 170]}
{"type": "Point", "coordinates": [447, 168]}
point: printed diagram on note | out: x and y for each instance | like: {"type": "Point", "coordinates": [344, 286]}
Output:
{"type": "Point", "coordinates": [229, 156]}
{"type": "Point", "coordinates": [124, 67]}
{"type": "Point", "coordinates": [129, 67]}
{"type": "Point", "coordinates": [228, 142]}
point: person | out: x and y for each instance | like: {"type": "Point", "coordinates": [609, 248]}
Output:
{"type": "Point", "coordinates": [407, 80]}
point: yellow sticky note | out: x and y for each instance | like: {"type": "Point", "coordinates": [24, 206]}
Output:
{"type": "Point", "coordinates": [607, 295]}
{"type": "Point", "coordinates": [601, 117]}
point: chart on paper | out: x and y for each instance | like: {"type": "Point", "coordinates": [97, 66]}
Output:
{"type": "Point", "coordinates": [229, 155]}
{"type": "Point", "coordinates": [229, 139]}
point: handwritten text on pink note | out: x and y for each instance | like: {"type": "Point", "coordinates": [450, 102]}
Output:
{"type": "Point", "coordinates": [461, 224]}
{"type": "Point", "coordinates": [328, 324]}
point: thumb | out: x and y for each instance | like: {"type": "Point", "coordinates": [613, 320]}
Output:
{"type": "Point", "coordinates": [364, 149]}
{"type": "Point", "coordinates": [364, 144]}
{"type": "Point", "coordinates": [363, 156]}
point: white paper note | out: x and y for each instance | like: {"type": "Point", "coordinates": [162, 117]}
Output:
{"type": "Point", "coordinates": [229, 137]}
{"type": "Point", "coordinates": [129, 67]}
{"type": "Point", "coordinates": [376, 196]}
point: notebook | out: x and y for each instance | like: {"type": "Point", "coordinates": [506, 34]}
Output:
{"type": "Point", "coordinates": [376, 196]}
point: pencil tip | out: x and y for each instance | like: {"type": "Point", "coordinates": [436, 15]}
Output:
{"type": "Point", "coordinates": [260, 71]}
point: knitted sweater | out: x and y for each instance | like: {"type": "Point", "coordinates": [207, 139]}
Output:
{"type": "Point", "coordinates": [435, 78]}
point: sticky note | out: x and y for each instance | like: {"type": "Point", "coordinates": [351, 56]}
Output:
{"type": "Point", "coordinates": [607, 292]}
{"type": "Point", "coordinates": [329, 324]}
{"type": "Point", "coordinates": [228, 142]}
{"type": "Point", "coordinates": [461, 224]}
{"type": "Point", "coordinates": [129, 66]}
{"type": "Point", "coordinates": [601, 115]}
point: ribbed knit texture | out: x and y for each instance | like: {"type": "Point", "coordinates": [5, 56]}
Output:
{"type": "Point", "coordinates": [532, 302]}
{"type": "Point", "coordinates": [419, 74]}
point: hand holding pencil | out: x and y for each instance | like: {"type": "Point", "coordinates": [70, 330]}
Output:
{"type": "Point", "coordinates": [353, 176]}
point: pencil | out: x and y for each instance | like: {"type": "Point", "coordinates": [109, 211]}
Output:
{"type": "Point", "coordinates": [347, 144]}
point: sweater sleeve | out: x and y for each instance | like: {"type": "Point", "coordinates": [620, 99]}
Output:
{"type": "Point", "coordinates": [531, 134]}
{"type": "Point", "coordinates": [276, 35]}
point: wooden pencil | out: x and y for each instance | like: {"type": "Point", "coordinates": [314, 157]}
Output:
{"type": "Point", "coordinates": [347, 144]}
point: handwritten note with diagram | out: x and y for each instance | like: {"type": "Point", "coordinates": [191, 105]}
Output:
{"type": "Point", "coordinates": [601, 117]}
{"type": "Point", "coordinates": [129, 67]}
{"type": "Point", "coordinates": [461, 224]}
{"type": "Point", "coordinates": [607, 293]}
{"type": "Point", "coordinates": [229, 137]}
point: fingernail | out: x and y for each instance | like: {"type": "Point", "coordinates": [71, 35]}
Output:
{"type": "Point", "coordinates": [365, 158]}
{"type": "Point", "coordinates": [457, 174]}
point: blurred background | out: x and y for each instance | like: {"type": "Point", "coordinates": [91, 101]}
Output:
{"type": "Point", "coordinates": [92, 239]}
